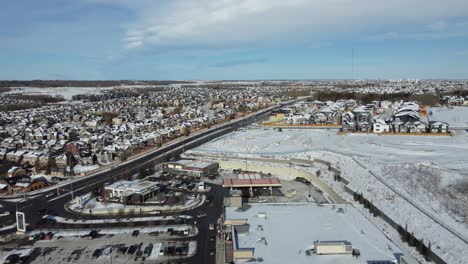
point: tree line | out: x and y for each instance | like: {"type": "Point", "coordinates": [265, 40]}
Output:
{"type": "Point", "coordinates": [406, 236]}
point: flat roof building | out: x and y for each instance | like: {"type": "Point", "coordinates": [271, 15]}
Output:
{"type": "Point", "coordinates": [285, 233]}
{"type": "Point", "coordinates": [134, 192]}
{"type": "Point", "coordinates": [192, 167]}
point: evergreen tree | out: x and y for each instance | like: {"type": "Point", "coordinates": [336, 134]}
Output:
{"type": "Point", "coordinates": [405, 235]}
{"type": "Point", "coordinates": [400, 230]}
{"type": "Point", "coordinates": [428, 253]}
{"type": "Point", "coordinates": [411, 240]}
{"type": "Point", "coordinates": [421, 247]}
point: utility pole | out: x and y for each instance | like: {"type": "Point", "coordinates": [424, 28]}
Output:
{"type": "Point", "coordinates": [245, 163]}
{"type": "Point", "coordinates": [71, 189]}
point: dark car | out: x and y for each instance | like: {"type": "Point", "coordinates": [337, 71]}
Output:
{"type": "Point", "coordinates": [135, 233]}
{"type": "Point", "coordinates": [123, 249]}
{"type": "Point", "coordinates": [97, 253]}
{"type": "Point", "coordinates": [39, 236]}
{"type": "Point", "coordinates": [13, 258]}
{"type": "Point", "coordinates": [93, 234]}
{"type": "Point", "coordinates": [132, 249]}
{"type": "Point", "coordinates": [148, 249]}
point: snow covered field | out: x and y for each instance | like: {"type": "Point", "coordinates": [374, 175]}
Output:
{"type": "Point", "coordinates": [66, 92]}
{"type": "Point", "coordinates": [455, 116]}
{"type": "Point", "coordinates": [288, 243]}
{"type": "Point", "coordinates": [425, 169]}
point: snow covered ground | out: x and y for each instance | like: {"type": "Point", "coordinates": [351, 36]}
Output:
{"type": "Point", "coordinates": [80, 168]}
{"type": "Point", "coordinates": [288, 243]}
{"type": "Point", "coordinates": [455, 116]}
{"type": "Point", "coordinates": [66, 92]}
{"type": "Point", "coordinates": [400, 161]}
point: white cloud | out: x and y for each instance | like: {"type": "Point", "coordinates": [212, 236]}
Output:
{"type": "Point", "coordinates": [237, 22]}
{"type": "Point", "coordinates": [391, 35]}
{"type": "Point", "coordinates": [438, 26]}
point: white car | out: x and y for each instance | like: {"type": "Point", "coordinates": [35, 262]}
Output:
{"type": "Point", "coordinates": [201, 215]}
{"type": "Point", "coordinates": [50, 195]}
{"type": "Point", "coordinates": [154, 212]}
{"type": "Point", "coordinates": [6, 213]}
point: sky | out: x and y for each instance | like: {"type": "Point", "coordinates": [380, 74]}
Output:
{"type": "Point", "coordinates": [233, 39]}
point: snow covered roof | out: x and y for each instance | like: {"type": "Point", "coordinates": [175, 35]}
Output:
{"type": "Point", "coordinates": [289, 229]}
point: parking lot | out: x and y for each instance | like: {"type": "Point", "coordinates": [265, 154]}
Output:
{"type": "Point", "coordinates": [148, 245]}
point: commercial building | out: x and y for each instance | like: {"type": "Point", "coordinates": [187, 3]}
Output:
{"type": "Point", "coordinates": [192, 168]}
{"type": "Point", "coordinates": [131, 192]}
{"type": "Point", "coordinates": [250, 184]}
{"type": "Point", "coordinates": [285, 233]}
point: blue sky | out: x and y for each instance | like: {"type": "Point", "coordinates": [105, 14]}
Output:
{"type": "Point", "coordinates": [233, 39]}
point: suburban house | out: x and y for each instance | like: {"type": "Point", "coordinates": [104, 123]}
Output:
{"type": "Point", "coordinates": [380, 126]}
{"type": "Point", "coordinates": [438, 127]}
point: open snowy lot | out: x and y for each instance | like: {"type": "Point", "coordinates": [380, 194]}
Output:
{"type": "Point", "coordinates": [66, 92]}
{"type": "Point", "coordinates": [456, 117]}
{"type": "Point", "coordinates": [285, 242]}
{"type": "Point", "coordinates": [413, 179]}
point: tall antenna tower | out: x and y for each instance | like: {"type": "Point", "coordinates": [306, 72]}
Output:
{"type": "Point", "coordinates": [352, 63]}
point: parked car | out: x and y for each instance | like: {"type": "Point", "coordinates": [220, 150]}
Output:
{"type": "Point", "coordinates": [93, 234]}
{"type": "Point", "coordinates": [148, 249]}
{"type": "Point", "coordinates": [132, 249]}
{"type": "Point", "coordinates": [97, 253]}
{"type": "Point", "coordinates": [13, 258]}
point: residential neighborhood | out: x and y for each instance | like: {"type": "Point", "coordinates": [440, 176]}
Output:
{"type": "Point", "coordinates": [44, 146]}
{"type": "Point", "coordinates": [376, 117]}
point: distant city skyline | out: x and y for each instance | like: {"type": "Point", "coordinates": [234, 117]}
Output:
{"type": "Point", "coordinates": [233, 39]}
